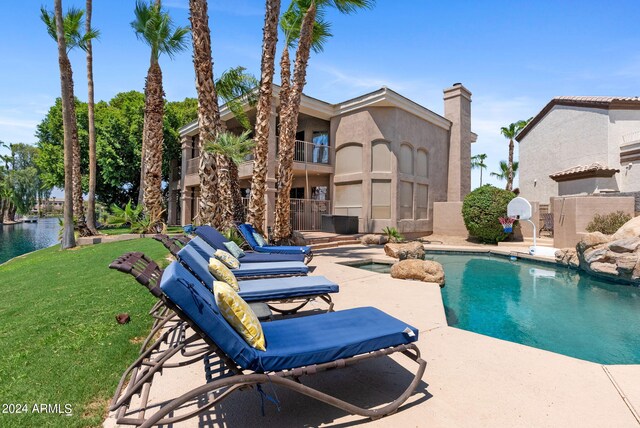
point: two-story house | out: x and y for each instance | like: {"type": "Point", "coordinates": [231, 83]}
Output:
{"type": "Point", "coordinates": [379, 157]}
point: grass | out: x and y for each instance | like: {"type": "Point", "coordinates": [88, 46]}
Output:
{"type": "Point", "coordinates": [123, 230]}
{"type": "Point", "coordinates": [59, 339]}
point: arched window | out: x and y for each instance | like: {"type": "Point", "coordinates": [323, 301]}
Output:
{"type": "Point", "coordinates": [349, 159]}
{"type": "Point", "coordinates": [422, 164]}
{"type": "Point", "coordinates": [380, 156]}
{"type": "Point", "coordinates": [405, 159]}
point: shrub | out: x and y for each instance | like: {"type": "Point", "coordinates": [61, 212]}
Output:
{"type": "Point", "coordinates": [608, 223]}
{"type": "Point", "coordinates": [481, 211]}
{"type": "Point", "coordinates": [392, 234]}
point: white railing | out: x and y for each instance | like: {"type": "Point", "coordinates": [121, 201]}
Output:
{"type": "Point", "coordinates": [306, 214]}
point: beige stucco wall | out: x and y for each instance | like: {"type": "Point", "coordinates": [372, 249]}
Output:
{"type": "Point", "coordinates": [447, 219]}
{"type": "Point", "coordinates": [621, 124]}
{"type": "Point", "coordinates": [573, 214]}
{"type": "Point", "coordinates": [365, 126]}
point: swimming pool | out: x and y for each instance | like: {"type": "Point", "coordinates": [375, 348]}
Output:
{"type": "Point", "coordinates": [541, 305]}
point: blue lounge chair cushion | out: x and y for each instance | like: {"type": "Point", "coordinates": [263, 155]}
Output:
{"type": "Point", "coordinates": [208, 239]}
{"type": "Point", "coordinates": [260, 290]}
{"type": "Point", "coordinates": [293, 342]}
{"type": "Point", "coordinates": [246, 230]}
{"type": "Point", "coordinates": [271, 268]}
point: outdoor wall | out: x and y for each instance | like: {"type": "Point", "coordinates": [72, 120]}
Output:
{"type": "Point", "coordinates": [624, 133]}
{"type": "Point", "coordinates": [572, 215]}
{"type": "Point", "coordinates": [447, 219]}
{"type": "Point", "coordinates": [587, 185]}
{"type": "Point", "coordinates": [564, 138]}
{"type": "Point", "coordinates": [396, 161]}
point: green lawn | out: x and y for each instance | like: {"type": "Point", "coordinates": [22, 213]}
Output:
{"type": "Point", "coordinates": [123, 230]}
{"type": "Point", "coordinates": [59, 340]}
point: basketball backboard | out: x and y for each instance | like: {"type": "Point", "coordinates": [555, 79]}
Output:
{"type": "Point", "coordinates": [519, 208]}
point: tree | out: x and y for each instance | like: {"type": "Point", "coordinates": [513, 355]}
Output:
{"type": "Point", "coordinates": [477, 162]}
{"type": "Point", "coordinates": [154, 26]}
{"type": "Point", "coordinates": [506, 172]}
{"type": "Point", "coordinates": [256, 212]}
{"type": "Point", "coordinates": [69, 27]}
{"type": "Point", "coordinates": [510, 133]}
{"type": "Point", "coordinates": [213, 205]}
{"type": "Point", "coordinates": [91, 197]}
{"type": "Point", "coordinates": [235, 149]}
{"type": "Point", "coordinates": [290, 100]}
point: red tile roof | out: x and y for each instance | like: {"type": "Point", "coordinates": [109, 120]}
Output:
{"type": "Point", "coordinates": [595, 169]}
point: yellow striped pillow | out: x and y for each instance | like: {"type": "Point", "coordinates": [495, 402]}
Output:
{"type": "Point", "coordinates": [226, 258]}
{"type": "Point", "coordinates": [239, 314]}
{"type": "Point", "coordinates": [222, 273]}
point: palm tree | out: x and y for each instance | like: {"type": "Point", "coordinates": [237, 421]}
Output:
{"type": "Point", "coordinates": [91, 206]}
{"type": "Point", "coordinates": [256, 211]}
{"type": "Point", "coordinates": [155, 27]}
{"type": "Point", "coordinates": [211, 201]}
{"type": "Point", "coordinates": [477, 161]}
{"type": "Point", "coordinates": [69, 123]}
{"type": "Point", "coordinates": [506, 172]}
{"type": "Point", "coordinates": [510, 133]}
{"type": "Point", "coordinates": [310, 10]}
{"type": "Point", "coordinates": [71, 24]}
{"type": "Point", "coordinates": [234, 148]}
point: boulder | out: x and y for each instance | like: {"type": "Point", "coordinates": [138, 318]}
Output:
{"type": "Point", "coordinates": [630, 229]}
{"type": "Point", "coordinates": [371, 239]}
{"type": "Point", "coordinates": [635, 275]}
{"type": "Point", "coordinates": [421, 270]}
{"type": "Point", "coordinates": [592, 239]}
{"type": "Point", "coordinates": [608, 268]}
{"type": "Point", "coordinates": [297, 239]}
{"type": "Point", "coordinates": [595, 255]}
{"type": "Point", "coordinates": [405, 250]}
{"type": "Point", "coordinates": [567, 257]}
{"type": "Point", "coordinates": [627, 262]}
{"type": "Point", "coordinates": [626, 245]}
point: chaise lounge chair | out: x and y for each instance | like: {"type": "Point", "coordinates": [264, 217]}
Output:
{"type": "Point", "coordinates": [248, 233]}
{"type": "Point", "coordinates": [216, 240]}
{"type": "Point", "coordinates": [295, 347]}
{"type": "Point", "coordinates": [247, 270]}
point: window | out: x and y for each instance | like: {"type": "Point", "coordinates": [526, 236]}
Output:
{"type": "Point", "coordinates": [381, 199]}
{"type": "Point", "coordinates": [380, 157]}
{"type": "Point", "coordinates": [296, 193]}
{"type": "Point", "coordinates": [422, 201]}
{"type": "Point", "coordinates": [405, 161]}
{"type": "Point", "coordinates": [422, 167]}
{"type": "Point", "coordinates": [320, 147]}
{"type": "Point", "coordinates": [406, 200]}
{"type": "Point", "coordinates": [348, 199]}
{"type": "Point", "coordinates": [349, 159]}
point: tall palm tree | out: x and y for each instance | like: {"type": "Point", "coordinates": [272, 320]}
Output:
{"type": "Point", "coordinates": [91, 197]}
{"type": "Point", "coordinates": [68, 121]}
{"type": "Point", "coordinates": [256, 211]}
{"type": "Point", "coordinates": [71, 24]}
{"type": "Point", "coordinates": [211, 201]}
{"type": "Point", "coordinates": [510, 133]}
{"type": "Point", "coordinates": [477, 162]}
{"type": "Point", "coordinates": [235, 149]}
{"type": "Point", "coordinates": [154, 26]}
{"type": "Point", "coordinates": [309, 9]}
{"type": "Point", "coordinates": [506, 172]}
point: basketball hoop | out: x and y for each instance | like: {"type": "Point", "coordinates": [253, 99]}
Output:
{"type": "Point", "coordinates": [507, 223]}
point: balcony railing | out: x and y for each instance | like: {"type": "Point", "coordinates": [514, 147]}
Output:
{"type": "Point", "coordinates": [306, 214]}
{"type": "Point", "coordinates": [315, 153]}
{"type": "Point", "coordinates": [192, 165]}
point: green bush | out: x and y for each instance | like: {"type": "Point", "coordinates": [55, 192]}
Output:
{"type": "Point", "coordinates": [608, 223]}
{"type": "Point", "coordinates": [481, 210]}
{"type": "Point", "coordinates": [392, 234]}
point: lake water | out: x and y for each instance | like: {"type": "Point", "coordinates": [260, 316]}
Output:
{"type": "Point", "coordinates": [23, 238]}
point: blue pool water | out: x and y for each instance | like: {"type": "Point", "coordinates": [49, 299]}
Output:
{"type": "Point", "coordinates": [543, 306]}
{"type": "Point", "coordinates": [22, 238]}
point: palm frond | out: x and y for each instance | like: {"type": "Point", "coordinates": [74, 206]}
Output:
{"type": "Point", "coordinates": [232, 146]}
{"type": "Point", "coordinates": [154, 26]}
{"type": "Point", "coordinates": [72, 23]}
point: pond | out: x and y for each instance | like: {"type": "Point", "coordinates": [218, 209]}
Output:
{"type": "Point", "coordinates": [22, 238]}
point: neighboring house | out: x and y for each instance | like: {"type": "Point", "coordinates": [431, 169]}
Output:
{"type": "Point", "coordinates": [49, 206]}
{"type": "Point", "coordinates": [379, 157]}
{"type": "Point", "coordinates": [581, 145]}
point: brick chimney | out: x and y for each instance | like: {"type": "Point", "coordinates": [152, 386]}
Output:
{"type": "Point", "coordinates": [457, 108]}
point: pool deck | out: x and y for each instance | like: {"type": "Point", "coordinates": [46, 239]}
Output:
{"type": "Point", "coordinates": [471, 380]}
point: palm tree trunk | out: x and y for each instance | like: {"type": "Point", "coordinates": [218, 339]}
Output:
{"type": "Point", "coordinates": [510, 172]}
{"type": "Point", "coordinates": [480, 176]}
{"type": "Point", "coordinates": [209, 204]}
{"type": "Point", "coordinates": [288, 124]}
{"type": "Point", "coordinates": [238, 208]}
{"type": "Point", "coordinates": [256, 214]}
{"type": "Point", "coordinates": [78, 200]}
{"type": "Point", "coordinates": [68, 238]}
{"type": "Point", "coordinates": [91, 208]}
{"type": "Point", "coordinates": [154, 111]}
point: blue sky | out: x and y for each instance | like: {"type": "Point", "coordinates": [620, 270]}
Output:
{"type": "Point", "coordinates": [512, 55]}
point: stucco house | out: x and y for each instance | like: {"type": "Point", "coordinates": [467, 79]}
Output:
{"type": "Point", "coordinates": [581, 145]}
{"type": "Point", "coordinates": [379, 157]}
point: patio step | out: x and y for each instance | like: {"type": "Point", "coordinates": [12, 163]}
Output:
{"type": "Point", "coordinates": [333, 244]}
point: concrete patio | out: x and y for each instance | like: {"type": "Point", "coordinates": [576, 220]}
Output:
{"type": "Point", "coordinates": [471, 380]}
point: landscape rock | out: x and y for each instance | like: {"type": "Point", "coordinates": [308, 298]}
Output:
{"type": "Point", "coordinates": [595, 255]}
{"type": "Point", "coordinates": [627, 262]}
{"type": "Point", "coordinates": [630, 229]}
{"type": "Point", "coordinates": [636, 272]}
{"type": "Point", "coordinates": [372, 239]}
{"type": "Point", "coordinates": [405, 250]}
{"type": "Point", "coordinates": [627, 245]}
{"type": "Point", "coordinates": [422, 270]}
{"type": "Point", "coordinates": [592, 239]}
{"type": "Point", "coordinates": [608, 268]}
{"type": "Point", "coordinates": [297, 239]}
{"type": "Point", "coordinates": [567, 257]}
